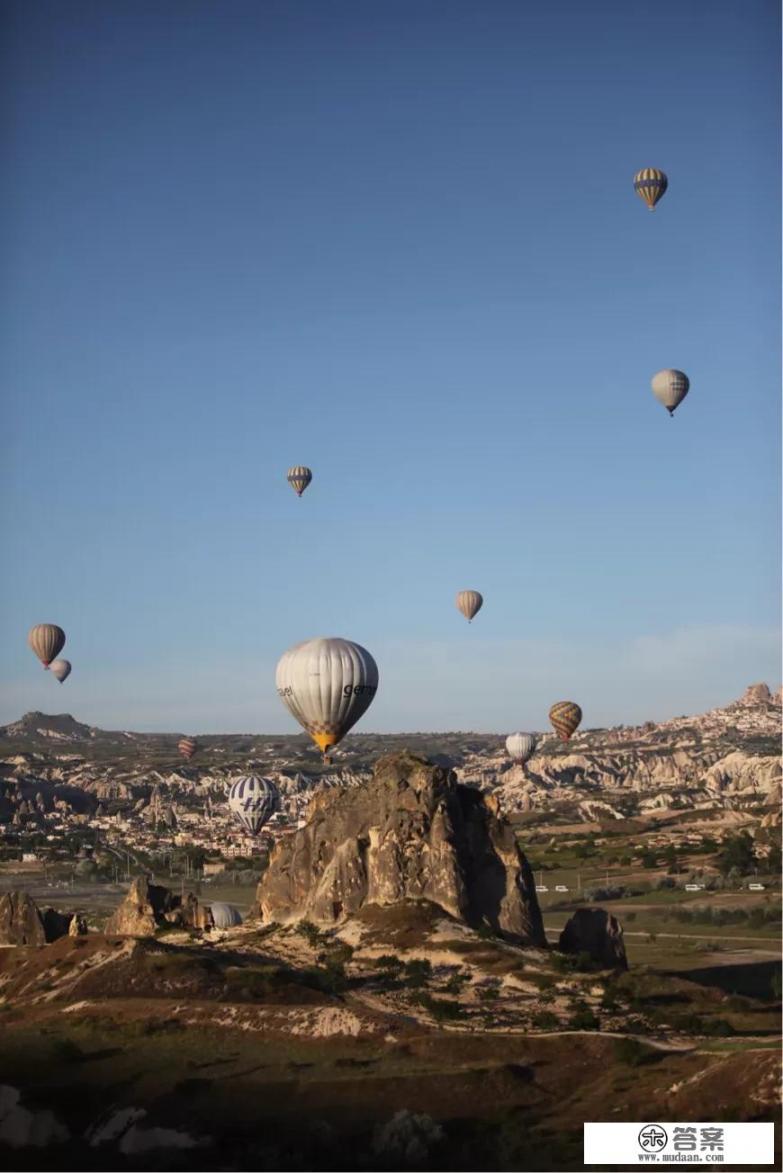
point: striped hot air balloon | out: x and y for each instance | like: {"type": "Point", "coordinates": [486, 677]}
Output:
{"type": "Point", "coordinates": [252, 800]}
{"type": "Point", "coordinates": [46, 640]}
{"type": "Point", "coordinates": [650, 184]}
{"type": "Point", "coordinates": [565, 716]}
{"type": "Point", "coordinates": [670, 388]}
{"type": "Point", "coordinates": [327, 684]}
{"type": "Point", "coordinates": [469, 603]}
{"type": "Point", "coordinates": [520, 746]}
{"type": "Point", "coordinates": [299, 478]}
{"type": "Point", "coordinates": [187, 747]}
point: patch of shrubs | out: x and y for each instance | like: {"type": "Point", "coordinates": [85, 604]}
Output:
{"type": "Point", "coordinates": [584, 1019]}
{"type": "Point", "coordinates": [545, 1020]}
{"type": "Point", "coordinates": [632, 1052]}
{"type": "Point", "coordinates": [418, 973]}
{"type": "Point", "coordinates": [441, 1009]}
{"type": "Point", "coordinates": [489, 991]}
{"type": "Point", "coordinates": [456, 982]}
{"type": "Point", "coordinates": [309, 931]}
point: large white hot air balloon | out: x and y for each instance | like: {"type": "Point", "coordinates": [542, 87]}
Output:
{"type": "Point", "coordinates": [252, 800]}
{"type": "Point", "coordinates": [328, 684]}
{"type": "Point", "coordinates": [521, 746]}
{"type": "Point", "coordinates": [61, 669]}
{"type": "Point", "coordinates": [469, 603]}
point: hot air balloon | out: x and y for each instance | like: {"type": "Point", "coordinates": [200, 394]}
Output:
{"type": "Point", "coordinates": [61, 669]}
{"type": "Point", "coordinates": [469, 603]}
{"type": "Point", "coordinates": [520, 746]}
{"type": "Point", "coordinates": [187, 747]}
{"type": "Point", "coordinates": [46, 640]}
{"type": "Point", "coordinates": [225, 916]}
{"type": "Point", "coordinates": [565, 716]}
{"type": "Point", "coordinates": [650, 184]}
{"type": "Point", "coordinates": [328, 684]}
{"type": "Point", "coordinates": [670, 388]}
{"type": "Point", "coordinates": [299, 478]}
{"type": "Point", "coordinates": [253, 801]}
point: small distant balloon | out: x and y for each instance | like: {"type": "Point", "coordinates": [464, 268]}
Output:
{"type": "Point", "coordinates": [670, 388]}
{"type": "Point", "coordinates": [650, 184]}
{"type": "Point", "coordinates": [61, 669]}
{"type": "Point", "coordinates": [187, 747]}
{"type": "Point", "coordinates": [252, 801]}
{"type": "Point", "coordinates": [327, 684]}
{"type": "Point", "coordinates": [46, 640]}
{"type": "Point", "coordinates": [469, 603]}
{"type": "Point", "coordinates": [299, 478]}
{"type": "Point", "coordinates": [565, 716]}
{"type": "Point", "coordinates": [521, 746]}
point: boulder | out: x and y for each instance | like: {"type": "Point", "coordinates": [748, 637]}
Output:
{"type": "Point", "coordinates": [20, 920]}
{"type": "Point", "coordinates": [56, 924]}
{"type": "Point", "coordinates": [596, 932]}
{"type": "Point", "coordinates": [411, 832]}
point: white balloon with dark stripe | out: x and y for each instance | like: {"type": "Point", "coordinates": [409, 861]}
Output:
{"type": "Point", "coordinates": [252, 801]}
{"type": "Point", "coordinates": [521, 746]}
{"type": "Point", "coordinates": [670, 388]}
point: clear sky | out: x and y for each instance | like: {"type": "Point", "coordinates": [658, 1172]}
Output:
{"type": "Point", "coordinates": [396, 241]}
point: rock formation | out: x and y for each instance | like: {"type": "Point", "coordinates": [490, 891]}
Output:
{"type": "Point", "coordinates": [23, 923]}
{"type": "Point", "coordinates": [148, 907]}
{"type": "Point", "coordinates": [56, 924]}
{"type": "Point", "coordinates": [20, 920]}
{"type": "Point", "coordinates": [410, 833]}
{"type": "Point", "coordinates": [78, 926]}
{"type": "Point", "coordinates": [596, 932]}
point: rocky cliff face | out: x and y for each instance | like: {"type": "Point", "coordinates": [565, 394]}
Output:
{"type": "Point", "coordinates": [410, 833]}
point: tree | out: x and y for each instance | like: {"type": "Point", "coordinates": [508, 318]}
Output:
{"type": "Point", "coordinates": [736, 855]}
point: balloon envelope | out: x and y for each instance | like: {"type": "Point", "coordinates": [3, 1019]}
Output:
{"type": "Point", "coordinates": [469, 603]}
{"type": "Point", "coordinates": [61, 669]}
{"type": "Point", "coordinates": [253, 801]}
{"type": "Point", "coordinates": [299, 478]}
{"type": "Point", "coordinates": [670, 388]}
{"type": "Point", "coordinates": [650, 184]}
{"type": "Point", "coordinates": [565, 716]}
{"type": "Point", "coordinates": [520, 746]}
{"type": "Point", "coordinates": [327, 684]}
{"type": "Point", "coordinates": [225, 916]}
{"type": "Point", "coordinates": [46, 640]}
{"type": "Point", "coordinates": [187, 747]}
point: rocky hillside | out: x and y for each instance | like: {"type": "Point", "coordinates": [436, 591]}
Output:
{"type": "Point", "coordinates": [726, 759]}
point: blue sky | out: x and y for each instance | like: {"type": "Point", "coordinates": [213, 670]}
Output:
{"type": "Point", "coordinates": [397, 242]}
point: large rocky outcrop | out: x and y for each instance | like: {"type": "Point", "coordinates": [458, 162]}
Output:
{"type": "Point", "coordinates": [148, 907]}
{"type": "Point", "coordinates": [20, 920]}
{"type": "Point", "coordinates": [23, 923]}
{"type": "Point", "coordinates": [412, 832]}
{"type": "Point", "coordinates": [596, 932]}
